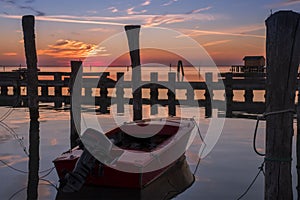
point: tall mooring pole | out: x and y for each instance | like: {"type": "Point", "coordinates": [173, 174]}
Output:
{"type": "Point", "coordinates": [32, 88]}
{"type": "Point", "coordinates": [75, 94]}
{"type": "Point", "coordinates": [282, 51]}
{"type": "Point", "coordinates": [132, 32]}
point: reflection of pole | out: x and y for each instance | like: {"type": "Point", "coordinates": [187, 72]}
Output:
{"type": "Point", "coordinates": [75, 110]}
{"type": "Point", "coordinates": [132, 32]}
{"type": "Point", "coordinates": [282, 51]}
{"type": "Point", "coordinates": [32, 88]}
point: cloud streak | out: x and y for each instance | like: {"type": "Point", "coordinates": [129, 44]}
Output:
{"type": "Point", "coordinates": [143, 19]}
{"type": "Point", "coordinates": [169, 3]}
{"type": "Point", "coordinates": [176, 18]}
{"type": "Point", "coordinates": [199, 10]}
{"type": "Point", "coordinates": [284, 3]}
{"type": "Point", "coordinates": [215, 43]}
{"type": "Point", "coordinates": [10, 54]}
{"type": "Point", "coordinates": [130, 11]}
{"type": "Point", "coordinates": [113, 9]}
{"type": "Point", "coordinates": [146, 3]}
{"type": "Point", "coordinates": [18, 5]}
{"type": "Point", "coordinates": [240, 31]}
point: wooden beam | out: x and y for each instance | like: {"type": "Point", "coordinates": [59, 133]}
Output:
{"type": "Point", "coordinates": [75, 93]}
{"type": "Point", "coordinates": [32, 89]}
{"type": "Point", "coordinates": [282, 50]}
{"type": "Point", "coordinates": [132, 32]}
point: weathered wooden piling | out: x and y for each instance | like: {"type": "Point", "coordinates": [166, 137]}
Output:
{"type": "Point", "coordinates": [103, 93]}
{"type": "Point", "coordinates": [180, 67]}
{"type": "Point", "coordinates": [228, 94]}
{"type": "Point", "coordinates": [298, 143]}
{"type": "Point", "coordinates": [132, 32]}
{"type": "Point", "coordinates": [172, 94]}
{"type": "Point", "coordinates": [249, 94]}
{"type": "Point", "coordinates": [32, 88]}
{"type": "Point", "coordinates": [120, 92]}
{"type": "Point", "coordinates": [154, 93]}
{"type": "Point", "coordinates": [58, 91]}
{"type": "Point", "coordinates": [282, 50]}
{"type": "Point", "coordinates": [75, 94]}
{"type": "Point", "coordinates": [208, 95]}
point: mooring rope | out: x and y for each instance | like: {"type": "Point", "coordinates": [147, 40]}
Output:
{"type": "Point", "coordinates": [266, 159]}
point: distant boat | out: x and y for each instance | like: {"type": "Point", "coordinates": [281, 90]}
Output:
{"type": "Point", "coordinates": [77, 167]}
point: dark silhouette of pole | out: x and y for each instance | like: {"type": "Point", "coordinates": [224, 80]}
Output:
{"type": "Point", "coordinates": [180, 67]}
{"type": "Point", "coordinates": [282, 50]}
{"type": "Point", "coordinates": [32, 88]}
{"type": "Point", "coordinates": [75, 94]}
{"type": "Point", "coordinates": [132, 32]}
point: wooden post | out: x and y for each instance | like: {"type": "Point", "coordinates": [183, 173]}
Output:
{"type": "Point", "coordinates": [120, 92]}
{"type": "Point", "coordinates": [208, 94]}
{"type": "Point", "coordinates": [298, 140]}
{"type": "Point", "coordinates": [4, 91]}
{"type": "Point", "coordinates": [249, 92]}
{"type": "Point", "coordinates": [103, 93]}
{"type": "Point", "coordinates": [190, 95]}
{"type": "Point", "coordinates": [249, 96]}
{"type": "Point", "coordinates": [45, 92]}
{"type": "Point", "coordinates": [75, 103]}
{"type": "Point", "coordinates": [282, 50]}
{"type": "Point", "coordinates": [154, 93]}
{"type": "Point", "coordinates": [17, 91]}
{"type": "Point", "coordinates": [32, 88]}
{"type": "Point", "coordinates": [132, 32]}
{"type": "Point", "coordinates": [180, 67]}
{"type": "Point", "coordinates": [171, 94]}
{"type": "Point", "coordinates": [228, 94]}
{"type": "Point", "coordinates": [58, 91]}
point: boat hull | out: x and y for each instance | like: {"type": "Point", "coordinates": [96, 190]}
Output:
{"type": "Point", "coordinates": [103, 175]}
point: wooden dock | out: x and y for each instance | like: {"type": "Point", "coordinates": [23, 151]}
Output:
{"type": "Point", "coordinates": [54, 88]}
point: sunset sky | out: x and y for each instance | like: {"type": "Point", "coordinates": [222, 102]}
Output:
{"type": "Point", "coordinates": [65, 29]}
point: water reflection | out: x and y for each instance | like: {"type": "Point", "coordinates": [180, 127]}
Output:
{"type": "Point", "coordinates": [173, 182]}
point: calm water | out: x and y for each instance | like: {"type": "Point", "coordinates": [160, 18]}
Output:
{"type": "Point", "coordinates": [223, 174]}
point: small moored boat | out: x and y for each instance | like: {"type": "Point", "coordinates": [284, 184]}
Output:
{"type": "Point", "coordinates": [130, 156]}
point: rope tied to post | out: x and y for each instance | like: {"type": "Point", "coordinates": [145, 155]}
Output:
{"type": "Point", "coordinates": [266, 159]}
{"type": "Point", "coordinates": [266, 114]}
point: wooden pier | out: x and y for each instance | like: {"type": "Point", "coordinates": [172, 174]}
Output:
{"type": "Point", "coordinates": [54, 87]}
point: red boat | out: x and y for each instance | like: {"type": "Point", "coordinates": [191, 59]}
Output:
{"type": "Point", "coordinates": [131, 155]}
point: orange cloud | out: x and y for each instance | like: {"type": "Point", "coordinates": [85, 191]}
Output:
{"type": "Point", "coordinates": [10, 54]}
{"type": "Point", "coordinates": [71, 49]}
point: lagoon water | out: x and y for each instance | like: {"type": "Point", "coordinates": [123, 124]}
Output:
{"type": "Point", "coordinates": [224, 173]}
